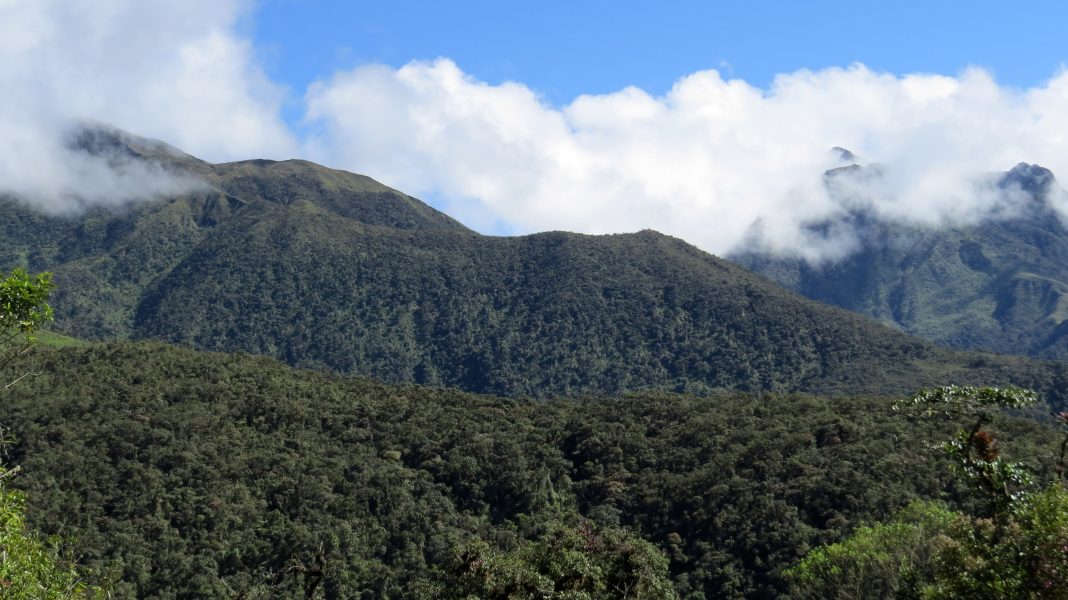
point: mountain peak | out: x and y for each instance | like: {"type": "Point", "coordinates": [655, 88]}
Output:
{"type": "Point", "coordinates": [1033, 179]}
{"type": "Point", "coordinates": [285, 183]}
{"type": "Point", "coordinates": [346, 194]}
{"type": "Point", "coordinates": [111, 143]}
{"type": "Point", "coordinates": [842, 154]}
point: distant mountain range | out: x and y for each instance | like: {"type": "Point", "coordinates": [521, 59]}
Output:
{"type": "Point", "coordinates": [323, 268]}
{"type": "Point", "coordinates": [1000, 284]}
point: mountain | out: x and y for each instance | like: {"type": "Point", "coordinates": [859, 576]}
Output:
{"type": "Point", "coordinates": [327, 269]}
{"type": "Point", "coordinates": [1000, 284]}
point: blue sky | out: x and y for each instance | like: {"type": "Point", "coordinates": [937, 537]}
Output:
{"type": "Point", "coordinates": [711, 121]}
{"type": "Point", "coordinates": [565, 49]}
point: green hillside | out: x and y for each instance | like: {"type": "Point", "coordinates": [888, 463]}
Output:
{"type": "Point", "coordinates": [327, 269]}
{"type": "Point", "coordinates": [176, 474]}
{"type": "Point", "coordinates": [1000, 285]}
{"type": "Point", "coordinates": [689, 465]}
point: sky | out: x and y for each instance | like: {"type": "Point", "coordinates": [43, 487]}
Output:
{"type": "Point", "coordinates": [709, 121]}
{"type": "Point", "coordinates": [566, 49]}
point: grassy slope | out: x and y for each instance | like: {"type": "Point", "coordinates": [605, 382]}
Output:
{"type": "Point", "coordinates": [51, 339]}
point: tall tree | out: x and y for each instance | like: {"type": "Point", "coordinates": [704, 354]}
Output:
{"type": "Point", "coordinates": [1012, 544]}
{"type": "Point", "coordinates": [29, 569]}
{"type": "Point", "coordinates": [23, 309]}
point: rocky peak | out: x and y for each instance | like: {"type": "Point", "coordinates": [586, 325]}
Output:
{"type": "Point", "coordinates": [1033, 179]}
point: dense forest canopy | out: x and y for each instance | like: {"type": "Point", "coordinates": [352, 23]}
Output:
{"type": "Point", "coordinates": [181, 474]}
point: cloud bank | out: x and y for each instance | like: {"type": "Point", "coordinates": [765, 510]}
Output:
{"type": "Point", "coordinates": [176, 71]}
{"type": "Point", "coordinates": [711, 161]}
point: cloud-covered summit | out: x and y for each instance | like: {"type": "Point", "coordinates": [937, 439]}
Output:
{"type": "Point", "coordinates": [709, 160]}
{"type": "Point", "coordinates": [175, 71]}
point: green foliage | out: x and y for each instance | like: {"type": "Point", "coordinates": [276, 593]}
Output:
{"type": "Point", "coordinates": [181, 474]}
{"type": "Point", "coordinates": [967, 401]}
{"type": "Point", "coordinates": [1045, 540]}
{"type": "Point", "coordinates": [887, 560]}
{"type": "Point", "coordinates": [28, 569]}
{"type": "Point", "coordinates": [23, 301]}
{"type": "Point", "coordinates": [975, 461]}
{"type": "Point", "coordinates": [23, 309]}
{"type": "Point", "coordinates": [567, 562]}
{"type": "Point", "coordinates": [974, 451]}
{"type": "Point", "coordinates": [1016, 547]}
{"type": "Point", "coordinates": [1028, 558]}
{"type": "Point", "coordinates": [931, 553]}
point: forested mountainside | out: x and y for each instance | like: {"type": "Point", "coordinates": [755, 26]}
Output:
{"type": "Point", "coordinates": [322, 268]}
{"type": "Point", "coordinates": [177, 474]}
{"type": "Point", "coordinates": [1000, 284]}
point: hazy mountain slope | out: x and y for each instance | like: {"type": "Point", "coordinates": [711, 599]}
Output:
{"type": "Point", "coordinates": [104, 257]}
{"type": "Point", "coordinates": [323, 268]}
{"type": "Point", "coordinates": [284, 182]}
{"type": "Point", "coordinates": [999, 285]}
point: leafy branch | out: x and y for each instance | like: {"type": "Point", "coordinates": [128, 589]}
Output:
{"type": "Point", "coordinates": [24, 309]}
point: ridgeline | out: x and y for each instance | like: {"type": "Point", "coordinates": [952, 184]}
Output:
{"type": "Point", "coordinates": [326, 269]}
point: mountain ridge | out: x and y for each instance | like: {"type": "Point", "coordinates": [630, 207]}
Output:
{"type": "Point", "coordinates": [998, 284]}
{"type": "Point", "coordinates": [327, 269]}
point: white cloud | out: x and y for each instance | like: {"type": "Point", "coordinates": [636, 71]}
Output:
{"type": "Point", "coordinates": [177, 71]}
{"type": "Point", "coordinates": [704, 162]}
{"type": "Point", "coordinates": [708, 161]}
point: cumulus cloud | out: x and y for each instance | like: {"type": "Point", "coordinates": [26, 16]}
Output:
{"type": "Point", "coordinates": [712, 161]}
{"type": "Point", "coordinates": [715, 160]}
{"type": "Point", "coordinates": [177, 71]}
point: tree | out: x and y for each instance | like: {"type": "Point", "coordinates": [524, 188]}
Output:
{"type": "Point", "coordinates": [567, 562]}
{"type": "Point", "coordinates": [29, 569]}
{"type": "Point", "coordinates": [975, 451]}
{"type": "Point", "coordinates": [886, 560]}
{"type": "Point", "coordinates": [24, 309]}
{"type": "Point", "coordinates": [1015, 545]}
